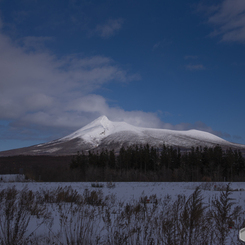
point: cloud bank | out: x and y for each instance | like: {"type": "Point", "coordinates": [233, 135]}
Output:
{"type": "Point", "coordinates": [39, 90]}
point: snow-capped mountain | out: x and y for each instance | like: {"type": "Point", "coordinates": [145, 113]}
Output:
{"type": "Point", "coordinates": [103, 133]}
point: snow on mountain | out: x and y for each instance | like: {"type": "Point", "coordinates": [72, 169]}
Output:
{"type": "Point", "coordinates": [103, 133]}
{"type": "Point", "coordinates": [101, 128]}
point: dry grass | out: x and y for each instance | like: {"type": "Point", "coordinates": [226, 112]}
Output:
{"type": "Point", "coordinates": [92, 218]}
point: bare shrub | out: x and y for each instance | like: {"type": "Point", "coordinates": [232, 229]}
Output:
{"type": "Point", "coordinates": [97, 185]}
{"type": "Point", "coordinates": [206, 186]}
{"type": "Point", "coordinates": [60, 194]}
{"type": "Point", "coordinates": [110, 185]}
{"type": "Point", "coordinates": [17, 207]}
{"type": "Point", "coordinates": [185, 221]}
{"type": "Point", "coordinates": [77, 226]}
{"type": "Point", "coordinates": [94, 198]}
{"type": "Point", "coordinates": [67, 194]}
{"type": "Point", "coordinates": [167, 224]}
{"type": "Point", "coordinates": [29, 200]}
{"type": "Point", "coordinates": [192, 218]}
{"type": "Point", "coordinates": [47, 196]}
{"type": "Point", "coordinates": [224, 215]}
{"type": "Point", "coordinates": [110, 200]}
{"type": "Point", "coordinates": [123, 228]}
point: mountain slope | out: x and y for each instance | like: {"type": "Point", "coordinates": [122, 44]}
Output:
{"type": "Point", "coordinates": [103, 133]}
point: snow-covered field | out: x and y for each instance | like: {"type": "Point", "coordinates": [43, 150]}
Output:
{"type": "Point", "coordinates": [114, 201]}
{"type": "Point", "coordinates": [129, 191]}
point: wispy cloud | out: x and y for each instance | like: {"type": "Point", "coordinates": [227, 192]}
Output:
{"type": "Point", "coordinates": [109, 28]}
{"type": "Point", "coordinates": [156, 45]}
{"type": "Point", "coordinates": [31, 43]}
{"type": "Point", "coordinates": [195, 67]}
{"type": "Point", "coordinates": [163, 43]}
{"type": "Point", "coordinates": [237, 137]}
{"type": "Point", "coordinates": [191, 57]}
{"type": "Point", "coordinates": [229, 20]}
{"type": "Point", "coordinates": [198, 126]}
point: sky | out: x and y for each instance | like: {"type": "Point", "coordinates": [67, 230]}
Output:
{"type": "Point", "coordinates": [162, 64]}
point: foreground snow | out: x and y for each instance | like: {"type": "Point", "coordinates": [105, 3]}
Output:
{"type": "Point", "coordinates": [129, 191]}
{"type": "Point", "coordinates": [121, 195]}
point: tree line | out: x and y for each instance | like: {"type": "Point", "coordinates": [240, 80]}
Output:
{"type": "Point", "coordinates": [145, 163]}
{"type": "Point", "coordinates": [134, 163]}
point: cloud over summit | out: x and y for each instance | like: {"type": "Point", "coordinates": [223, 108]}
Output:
{"type": "Point", "coordinates": [37, 88]}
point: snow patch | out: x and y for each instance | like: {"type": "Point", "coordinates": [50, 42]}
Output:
{"type": "Point", "coordinates": [12, 177]}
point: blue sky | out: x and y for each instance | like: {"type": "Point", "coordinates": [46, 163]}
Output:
{"type": "Point", "coordinates": [166, 64]}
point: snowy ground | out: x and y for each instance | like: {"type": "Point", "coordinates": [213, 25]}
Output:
{"type": "Point", "coordinates": [128, 192]}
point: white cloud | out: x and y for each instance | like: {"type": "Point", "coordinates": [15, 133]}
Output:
{"type": "Point", "coordinates": [229, 19]}
{"type": "Point", "coordinates": [109, 28]}
{"type": "Point", "coordinates": [40, 91]}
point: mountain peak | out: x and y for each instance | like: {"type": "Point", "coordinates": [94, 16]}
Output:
{"type": "Point", "coordinates": [102, 120]}
{"type": "Point", "coordinates": [98, 128]}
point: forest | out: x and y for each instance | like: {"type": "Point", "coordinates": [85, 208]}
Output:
{"type": "Point", "coordinates": [134, 163]}
{"type": "Point", "coordinates": [145, 163]}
